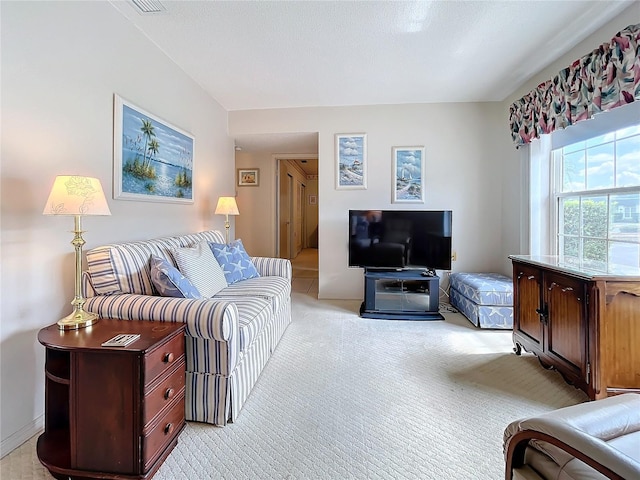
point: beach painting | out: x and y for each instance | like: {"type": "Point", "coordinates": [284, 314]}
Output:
{"type": "Point", "coordinates": [351, 161]}
{"type": "Point", "coordinates": [408, 175]}
{"type": "Point", "coordinates": [153, 160]}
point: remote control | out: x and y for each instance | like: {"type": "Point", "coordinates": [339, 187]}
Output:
{"type": "Point", "coordinates": [121, 340]}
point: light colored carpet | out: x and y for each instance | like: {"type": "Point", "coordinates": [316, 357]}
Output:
{"type": "Point", "coordinates": [350, 398]}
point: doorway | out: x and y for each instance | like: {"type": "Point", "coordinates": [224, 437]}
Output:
{"type": "Point", "coordinates": [297, 210]}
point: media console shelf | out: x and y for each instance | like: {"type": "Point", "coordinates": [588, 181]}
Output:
{"type": "Point", "coordinates": [400, 295]}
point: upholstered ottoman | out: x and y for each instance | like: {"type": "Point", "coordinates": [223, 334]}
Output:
{"type": "Point", "coordinates": [486, 299]}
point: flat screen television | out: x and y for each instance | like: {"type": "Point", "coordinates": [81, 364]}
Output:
{"type": "Point", "coordinates": [400, 239]}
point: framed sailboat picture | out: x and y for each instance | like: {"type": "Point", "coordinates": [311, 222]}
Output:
{"type": "Point", "coordinates": [351, 161]}
{"type": "Point", "coordinates": [408, 175]}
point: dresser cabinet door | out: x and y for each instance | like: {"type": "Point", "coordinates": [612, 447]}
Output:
{"type": "Point", "coordinates": [528, 305]}
{"type": "Point", "coordinates": [566, 339]}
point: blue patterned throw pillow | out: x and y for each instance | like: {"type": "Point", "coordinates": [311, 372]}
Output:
{"type": "Point", "coordinates": [234, 260]}
{"type": "Point", "coordinates": [169, 281]}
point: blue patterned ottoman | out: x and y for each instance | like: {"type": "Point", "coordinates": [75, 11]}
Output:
{"type": "Point", "coordinates": [486, 299]}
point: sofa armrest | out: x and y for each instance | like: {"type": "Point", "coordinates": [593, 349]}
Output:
{"type": "Point", "coordinates": [205, 318]}
{"type": "Point", "coordinates": [582, 432]}
{"type": "Point", "coordinates": [270, 266]}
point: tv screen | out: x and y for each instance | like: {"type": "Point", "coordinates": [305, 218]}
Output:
{"type": "Point", "coordinates": [400, 239]}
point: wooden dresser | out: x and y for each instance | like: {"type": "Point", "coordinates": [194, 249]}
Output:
{"type": "Point", "coordinates": [112, 412]}
{"type": "Point", "coordinates": [585, 324]}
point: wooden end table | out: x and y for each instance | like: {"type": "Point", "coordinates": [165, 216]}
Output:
{"type": "Point", "coordinates": [112, 412]}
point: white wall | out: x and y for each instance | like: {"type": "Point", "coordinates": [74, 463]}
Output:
{"type": "Point", "coordinates": [257, 205]}
{"type": "Point", "coordinates": [61, 64]}
{"type": "Point", "coordinates": [463, 175]}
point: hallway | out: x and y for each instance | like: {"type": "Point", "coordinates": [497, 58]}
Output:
{"type": "Point", "coordinates": [305, 272]}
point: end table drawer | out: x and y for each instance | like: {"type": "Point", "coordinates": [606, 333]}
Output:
{"type": "Point", "coordinates": [163, 358]}
{"type": "Point", "coordinates": [167, 428]}
{"type": "Point", "coordinates": [164, 393]}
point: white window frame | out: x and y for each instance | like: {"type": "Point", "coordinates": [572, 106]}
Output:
{"type": "Point", "coordinates": [557, 195]}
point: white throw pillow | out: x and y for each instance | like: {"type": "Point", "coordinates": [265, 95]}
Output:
{"type": "Point", "coordinates": [201, 268]}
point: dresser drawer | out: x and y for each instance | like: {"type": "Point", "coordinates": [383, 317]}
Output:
{"type": "Point", "coordinates": [162, 432]}
{"type": "Point", "coordinates": [163, 358]}
{"type": "Point", "coordinates": [164, 393]}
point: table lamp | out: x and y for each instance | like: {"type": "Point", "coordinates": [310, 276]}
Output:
{"type": "Point", "coordinates": [227, 206]}
{"type": "Point", "coordinates": [77, 196]}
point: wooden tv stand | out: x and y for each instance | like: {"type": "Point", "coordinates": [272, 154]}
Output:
{"type": "Point", "coordinates": [583, 323]}
{"type": "Point", "coordinates": [400, 295]}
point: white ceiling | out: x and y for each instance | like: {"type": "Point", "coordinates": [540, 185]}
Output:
{"type": "Point", "coordinates": [279, 54]}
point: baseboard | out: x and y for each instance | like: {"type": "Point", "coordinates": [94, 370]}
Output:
{"type": "Point", "coordinates": [13, 441]}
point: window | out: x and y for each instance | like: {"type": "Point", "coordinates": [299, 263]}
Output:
{"type": "Point", "coordinates": [596, 194]}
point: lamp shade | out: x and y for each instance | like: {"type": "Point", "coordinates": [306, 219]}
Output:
{"type": "Point", "coordinates": [227, 206]}
{"type": "Point", "coordinates": [74, 195]}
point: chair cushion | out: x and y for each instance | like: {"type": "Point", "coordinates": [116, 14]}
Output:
{"type": "Point", "coordinates": [201, 268]}
{"type": "Point", "coordinates": [234, 261]}
{"type": "Point", "coordinates": [169, 281]}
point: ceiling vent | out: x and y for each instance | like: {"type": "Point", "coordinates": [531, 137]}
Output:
{"type": "Point", "coordinates": [149, 7]}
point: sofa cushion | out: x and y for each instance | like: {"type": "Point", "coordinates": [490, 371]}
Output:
{"type": "Point", "coordinates": [124, 268]}
{"type": "Point", "coordinates": [169, 281]}
{"type": "Point", "coordinates": [201, 268]}
{"type": "Point", "coordinates": [276, 290]}
{"type": "Point", "coordinates": [253, 314]}
{"type": "Point", "coordinates": [484, 288]}
{"type": "Point", "coordinates": [235, 262]}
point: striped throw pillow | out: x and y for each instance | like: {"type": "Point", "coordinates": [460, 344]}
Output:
{"type": "Point", "coordinates": [201, 268]}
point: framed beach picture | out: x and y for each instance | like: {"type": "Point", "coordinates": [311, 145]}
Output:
{"type": "Point", "coordinates": [248, 177]}
{"type": "Point", "coordinates": [408, 175]}
{"type": "Point", "coordinates": [351, 161]}
{"type": "Point", "coordinates": [152, 159]}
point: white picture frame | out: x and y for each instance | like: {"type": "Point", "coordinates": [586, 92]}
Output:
{"type": "Point", "coordinates": [408, 175]}
{"type": "Point", "coordinates": [351, 161]}
{"type": "Point", "coordinates": [153, 160]}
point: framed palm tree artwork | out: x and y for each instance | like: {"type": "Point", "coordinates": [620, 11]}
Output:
{"type": "Point", "coordinates": [153, 160]}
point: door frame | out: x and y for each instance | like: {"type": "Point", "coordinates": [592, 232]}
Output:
{"type": "Point", "coordinates": [278, 158]}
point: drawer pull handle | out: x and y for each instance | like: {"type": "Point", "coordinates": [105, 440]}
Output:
{"type": "Point", "coordinates": [568, 289]}
{"type": "Point", "coordinates": [169, 393]}
{"type": "Point", "coordinates": [531, 277]}
{"type": "Point", "coordinates": [168, 428]}
{"type": "Point", "coordinates": [168, 358]}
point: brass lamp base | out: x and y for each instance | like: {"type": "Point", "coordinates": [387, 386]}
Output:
{"type": "Point", "coordinates": [78, 319]}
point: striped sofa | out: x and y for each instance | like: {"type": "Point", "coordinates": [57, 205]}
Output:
{"type": "Point", "coordinates": [229, 338]}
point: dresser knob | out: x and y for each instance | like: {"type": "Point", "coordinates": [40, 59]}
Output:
{"type": "Point", "coordinates": [169, 393]}
{"type": "Point", "coordinates": [168, 358]}
{"type": "Point", "coordinates": [168, 428]}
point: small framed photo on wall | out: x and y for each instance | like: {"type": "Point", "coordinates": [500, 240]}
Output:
{"type": "Point", "coordinates": [248, 177]}
{"type": "Point", "coordinates": [408, 175]}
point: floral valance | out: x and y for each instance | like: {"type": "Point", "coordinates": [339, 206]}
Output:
{"type": "Point", "coordinates": [602, 80]}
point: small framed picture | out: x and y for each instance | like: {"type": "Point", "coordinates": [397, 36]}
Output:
{"type": "Point", "coordinates": [313, 200]}
{"type": "Point", "coordinates": [408, 175]}
{"type": "Point", "coordinates": [351, 161]}
{"type": "Point", "coordinates": [248, 177]}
